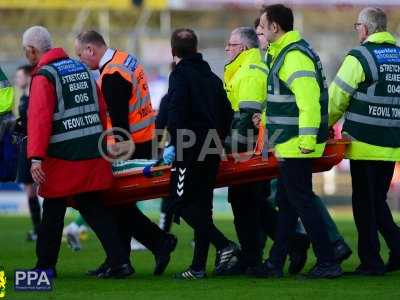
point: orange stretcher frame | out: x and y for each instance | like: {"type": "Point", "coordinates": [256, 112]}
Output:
{"type": "Point", "coordinates": [249, 167]}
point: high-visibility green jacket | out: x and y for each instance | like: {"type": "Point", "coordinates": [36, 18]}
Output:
{"type": "Point", "coordinates": [245, 82]}
{"type": "Point", "coordinates": [6, 94]}
{"type": "Point", "coordinates": [303, 79]}
{"type": "Point", "coordinates": [346, 95]}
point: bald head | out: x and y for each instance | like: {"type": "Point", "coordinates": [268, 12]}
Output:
{"type": "Point", "coordinates": [37, 37]}
{"type": "Point", "coordinates": [90, 48]}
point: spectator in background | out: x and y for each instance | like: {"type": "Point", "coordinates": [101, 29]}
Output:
{"type": "Point", "coordinates": [23, 81]}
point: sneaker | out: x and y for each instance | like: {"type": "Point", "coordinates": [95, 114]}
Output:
{"type": "Point", "coordinates": [31, 236]}
{"type": "Point", "coordinates": [341, 251]}
{"type": "Point", "coordinates": [101, 269]}
{"type": "Point", "coordinates": [164, 255]}
{"type": "Point", "coordinates": [265, 270]}
{"type": "Point", "coordinates": [118, 272]}
{"type": "Point", "coordinates": [325, 270]}
{"type": "Point", "coordinates": [226, 257]}
{"type": "Point", "coordinates": [235, 268]}
{"type": "Point", "coordinates": [393, 264]}
{"type": "Point", "coordinates": [298, 253]}
{"type": "Point", "coordinates": [137, 246]}
{"type": "Point", "coordinates": [190, 274]}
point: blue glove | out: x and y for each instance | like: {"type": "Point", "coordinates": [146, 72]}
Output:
{"type": "Point", "coordinates": [169, 154]}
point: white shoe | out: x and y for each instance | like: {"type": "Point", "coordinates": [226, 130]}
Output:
{"type": "Point", "coordinates": [136, 246]}
{"type": "Point", "coordinates": [72, 232]}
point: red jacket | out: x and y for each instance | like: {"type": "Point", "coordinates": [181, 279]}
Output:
{"type": "Point", "coordinates": [63, 178]}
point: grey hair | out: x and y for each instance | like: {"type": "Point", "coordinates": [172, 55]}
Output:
{"type": "Point", "coordinates": [374, 18]}
{"type": "Point", "coordinates": [38, 37]}
{"type": "Point", "coordinates": [248, 36]}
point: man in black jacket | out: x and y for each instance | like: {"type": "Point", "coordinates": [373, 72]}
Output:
{"type": "Point", "coordinates": [197, 110]}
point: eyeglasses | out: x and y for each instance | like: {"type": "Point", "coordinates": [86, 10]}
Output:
{"type": "Point", "coordinates": [356, 25]}
{"type": "Point", "coordinates": [230, 45]}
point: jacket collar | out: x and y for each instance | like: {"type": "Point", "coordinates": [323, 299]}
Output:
{"type": "Point", "coordinates": [107, 56]}
{"type": "Point", "coordinates": [51, 56]}
{"type": "Point", "coordinates": [245, 58]}
{"type": "Point", "coordinates": [288, 38]}
{"type": "Point", "coordinates": [381, 37]}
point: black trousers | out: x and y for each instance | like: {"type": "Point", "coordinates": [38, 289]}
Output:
{"type": "Point", "coordinates": [94, 213]}
{"type": "Point", "coordinates": [247, 203]}
{"type": "Point", "coordinates": [296, 199]}
{"type": "Point", "coordinates": [131, 222]}
{"type": "Point", "coordinates": [371, 182]}
{"type": "Point", "coordinates": [192, 189]}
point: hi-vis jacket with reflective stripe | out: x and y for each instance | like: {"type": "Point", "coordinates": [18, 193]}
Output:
{"type": "Point", "coordinates": [245, 82]}
{"type": "Point", "coordinates": [367, 90]}
{"type": "Point", "coordinates": [6, 94]}
{"type": "Point", "coordinates": [297, 103]}
{"type": "Point", "coordinates": [76, 120]}
{"type": "Point", "coordinates": [141, 115]}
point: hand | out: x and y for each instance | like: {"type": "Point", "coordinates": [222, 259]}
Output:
{"type": "Point", "coordinates": [37, 172]}
{"type": "Point", "coordinates": [305, 151]}
{"type": "Point", "coordinates": [169, 154]}
{"type": "Point", "coordinates": [123, 148]}
{"type": "Point", "coordinates": [256, 120]}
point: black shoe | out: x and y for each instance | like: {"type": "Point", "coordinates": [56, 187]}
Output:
{"type": "Point", "coordinates": [118, 272]}
{"type": "Point", "coordinates": [362, 270]}
{"type": "Point", "coordinates": [265, 270]}
{"type": "Point", "coordinates": [325, 270]}
{"type": "Point", "coordinates": [191, 275]}
{"type": "Point", "coordinates": [235, 268]}
{"type": "Point", "coordinates": [393, 264]}
{"type": "Point", "coordinates": [226, 258]}
{"type": "Point", "coordinates": [341, 251]}
{"type": "Point", "coordinates": [164, 255]}
{"type": "Point", "coordinates": [298, 253]}
{"type": "Point", "coordinates": [101, 269]}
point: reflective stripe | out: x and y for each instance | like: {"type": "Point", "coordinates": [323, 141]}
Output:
{"type": "Point", "coordinates": [259, 68]}
{"type": "Point", "coordinates": [250, 104]}
{"type": "Point", "coordinates": [142, 124]}
{"type": "Point", "coordinates": [370, 60]}
{"type": "Point", "coordinates": [4, 84]}
{"type": "Point", "coordinates": [377, 99]}
{"type": "Point", "coordinates": [139, 103]}
{"type": "Point", "coordinates": [281, 98]}
{"type": "Point", "coordinates": [344, 86]}
{"type": "Point", "coordinates": [236, 114]}
{"type": "Point", "coordinates": [75, 111]}
{"type": "Point", "coordinates": [60, 98]}
{"type": "Point", "coordinates": [283, 120]}
{"type": "Point", "coordinates": [289, 120]}
{"type": "Point", "coordinates": [308, 131]}
{"type": "Point", "coordinates": [372, 120]}
{"type": "Point", "coordinates": [78, 133]}
{"type": "Point", "coordinates": [300, 74]}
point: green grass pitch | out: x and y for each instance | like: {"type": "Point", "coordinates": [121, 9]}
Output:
{"type": "Point", "coordinates": [16, 253]}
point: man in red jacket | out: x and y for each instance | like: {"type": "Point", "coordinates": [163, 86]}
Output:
{"type": "Point", "coordinates": [66, 117]}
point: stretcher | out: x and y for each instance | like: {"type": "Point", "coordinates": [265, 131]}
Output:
{"type": "Point", "coordinates": [132, 185]}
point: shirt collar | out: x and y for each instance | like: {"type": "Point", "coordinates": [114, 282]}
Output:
{"type": "Point", "coordinates": [288, 38]}
{"type": "Point", "coordinates": [108, 55]}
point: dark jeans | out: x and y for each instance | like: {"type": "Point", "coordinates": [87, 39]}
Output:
{"type": "Point", "coordinates": [195, 206]}
{"type": "Point", "coordinates": [296, 199]}
{"type": "Point", "coordinates": [94, 213]}
{"type": "Point", "coordinates": [371, 182]}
